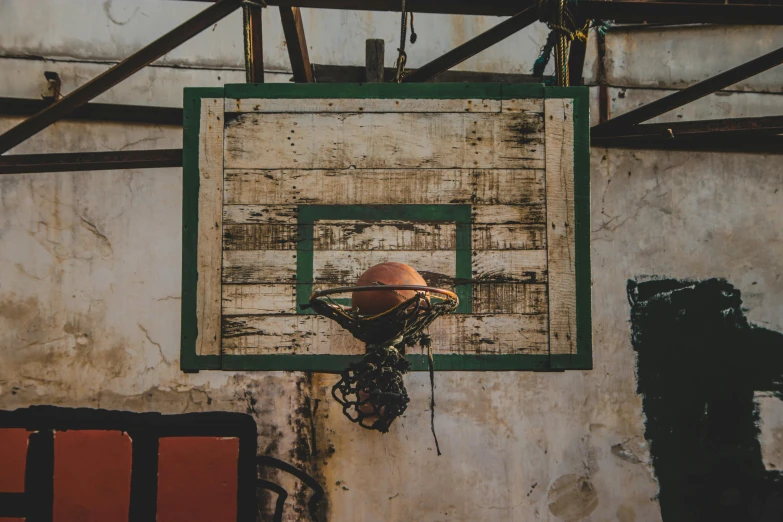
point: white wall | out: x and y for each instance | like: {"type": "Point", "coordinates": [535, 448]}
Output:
{"type": "Point", "coordinates": [90, 269]}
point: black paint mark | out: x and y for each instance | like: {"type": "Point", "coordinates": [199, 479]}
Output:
{"type": "Point", "coordinates": [699, 364]}
{"type": "Point", "coordinates": [313, 505]}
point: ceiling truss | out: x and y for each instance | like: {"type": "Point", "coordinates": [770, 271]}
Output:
{"type": "Point", "coordinates": [763, 135]}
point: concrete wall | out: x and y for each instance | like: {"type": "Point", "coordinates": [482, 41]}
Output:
{"type": "Point", "coordinates": [90, 282]}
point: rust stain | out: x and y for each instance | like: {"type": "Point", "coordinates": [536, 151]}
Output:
{"type": "Point", "coordinates": [572, 497]}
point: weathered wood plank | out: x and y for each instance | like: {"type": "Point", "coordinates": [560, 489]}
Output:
{"type": "Point", "coordinates": [451, 334]}
{"type": "Point", "coordinates": [338, 268]}
{"type": "Point", "coordinates": [384, 187]}
{"type": "Point", "coordinates": [509, 298]}
{"type": "Point", "coordinates": [384, 235]}
{"type": "Point", "coordinates": [357, 105]}
{"type": "Point", "coordinates": [259, 299]}
{"type": "Point", "coordinates": [560, 224]}
{"type": "Point", "coordinates": [335, 267]}
{"type": "Point", "coordinates": [210, 227]}
{"type": "Point", "coordinates": [535, 105]}
{"type": "Point", "coordinates": [261, 214]}
{"type": "Point", "coordinates": [260, 236]}
{"type": "Point", "coordinates": [509, 237]}
{"type": "Point", "coordinates": [384, 140]}
{"type": "Point", "coordinates": [509, 214]}
{"type": "Point", "coordinates": [488, 298]}
{"type": "Point", "coordinates": [510, 266]}
{"type": "Point", "coordinates": [259, 266]}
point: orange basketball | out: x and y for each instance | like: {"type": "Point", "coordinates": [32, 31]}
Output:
{"type": "Point", "coordinates": [374, 302]}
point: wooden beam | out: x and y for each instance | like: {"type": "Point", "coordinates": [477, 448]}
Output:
{"type": "Point", "coordinates": [83, 161]}
{"type": "Point", "coordinates": [297, 44]}
{"type": "Point", "coordinates": [474, 46]}
{"type": "Point", "coordinates": [694, 92]}
{"type": "Point", "coordinates": [254, 44]}
{"type": "Point", "coordinates": [116, 74]}
{"type": "Point", "coordinates": [373, 63]}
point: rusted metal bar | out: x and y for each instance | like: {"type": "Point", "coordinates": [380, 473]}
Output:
{"type": "Point", "coordinates": [97, 111]}
{"type": "Point", "coordinates": [297, 44]}
{"type": "Point", "coordinates": [116, 74]}
{"type": "Point", "coordinates": [620, 11]}
{"type": "Point", "coordinates": [356, 74]}
{"type": "Point", "coordinates": [83, 161]}
{"type": "Point", "coordinates": [576, 61]}
{"type": "Point", "coordinates": [603, 88]}
{"type": "Point", "coordinates": [474, 46]}
{"type": "Point", "coordinates": [707, 142]}
{"type": "Point", "coordinates": [694, 92]}
{"type": "Point", "coordinates": [713, 128]}
{"type": "Point", "coordinates": [254, 45]}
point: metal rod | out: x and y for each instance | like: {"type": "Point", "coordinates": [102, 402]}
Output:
{"type": "Point", "coordinates": [736, 126]}
{"type": "Point", "coordinates": [620, 11]}
{"type": "Point", "coordinates": [97, 111]}
{"type": "Point", "coordinates": [576, 60]}
{"type": "Point", "coordinates": [84, 161]}
{"type": "Point", "coordinates": [694, 92]}
{"type": "Point", "coordinates": [116, 74]}
{"type": "Point", "coordinates": [730, 142]}
{"type": "Point", "coordinates": [474, 46]}
{"type": "Point", "coordinates": [356, 74]}
{"type": "Point", "coordinates": [603, 89]}
{"type": "Point", "coordinates": [297, 44]}
{"type": "Point", "coordinates": [254, 45]}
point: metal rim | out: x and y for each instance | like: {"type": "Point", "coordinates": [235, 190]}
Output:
{"type": "Point", "coordinates": [345, 289]}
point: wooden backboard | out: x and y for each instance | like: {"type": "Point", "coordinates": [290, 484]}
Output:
{"type": "Point", "coordinates": [483, 188]}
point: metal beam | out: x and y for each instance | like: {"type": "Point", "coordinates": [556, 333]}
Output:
{"type": "Point", "coordinates": [474, 46]}
{"type": "Point", "coordinates": [735, 126]}
{"type": "Point", "coordinates": [116, 74]}
{"type": "Point", "coordinates": [356, 74]}
{"type": "Point", "coordinates": [694, 92]}
{"type": "Point", "coordinates": [297, 44]}
{"type": "Point", "coordinates": [254, 43]}
{"type": "Point", "coordinates": [97, 112]}
{"type": "Point", "coordinates": [576, 61]}
{"type": "Point", "coordinates": [620, 11]}
{"type": "Point", "coordinates": [707, 142]}
{"type": "Point", "coordinates": [83, 161]}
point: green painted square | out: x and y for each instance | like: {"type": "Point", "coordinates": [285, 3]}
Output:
{"type": "Point", "coordinates": [458, 214]}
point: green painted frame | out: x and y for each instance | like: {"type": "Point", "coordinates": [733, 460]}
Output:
{"type": "Point", "coordinates": [581, 360]}
{"type": "Point", "coordinates": [459, 214]}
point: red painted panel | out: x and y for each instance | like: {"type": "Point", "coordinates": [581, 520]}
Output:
{"type": "Point", "coordinates": [13, 457]}
{"type": "Point", "coordinates": [6, 519]}
{"type": "Point", "coordinates": [197, 479]}
{"type": "Point", "coordinates": [92, 476]}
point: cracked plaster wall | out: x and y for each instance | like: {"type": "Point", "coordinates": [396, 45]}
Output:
{"type": "Point", "coordinates": [90, 302]}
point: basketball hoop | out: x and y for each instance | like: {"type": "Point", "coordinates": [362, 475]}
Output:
{"type": "Point", "coordinates": [371, 391]}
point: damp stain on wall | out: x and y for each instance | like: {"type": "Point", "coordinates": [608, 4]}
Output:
{"type": "Point", "coordinates": [699, 365]}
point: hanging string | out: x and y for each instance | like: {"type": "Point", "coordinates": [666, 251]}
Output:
{"type": "Point", "coordinates": [427, 342]}
{"type": "Point", "coordinates": [402, 57]}
{"type": "Point", "coordinates": [562, 19]}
